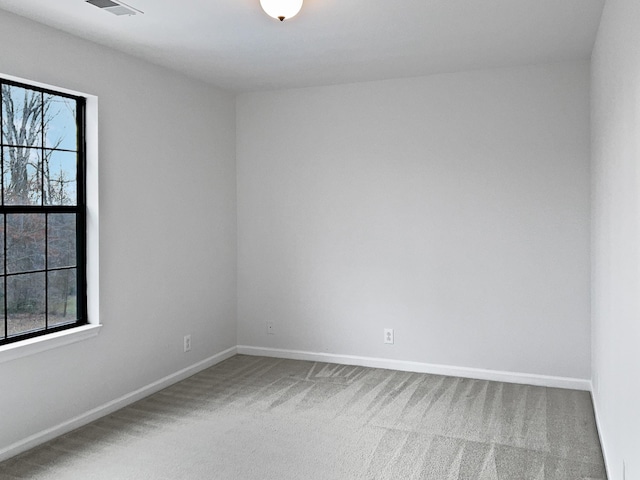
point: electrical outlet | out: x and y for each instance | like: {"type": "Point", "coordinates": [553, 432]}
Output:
{"type": "Point", "coordinates": [187, 343]}
{"type": "Point", "coordinates": [270, 329]}
{"type": "Point", "coordinates": [388, 335]}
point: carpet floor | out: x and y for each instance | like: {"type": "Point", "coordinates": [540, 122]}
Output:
{"type": "Point", "coordinates": [254, 418]}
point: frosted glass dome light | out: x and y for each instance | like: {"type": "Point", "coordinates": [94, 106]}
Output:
{"type": "Point", "coordinates": [281, 9]}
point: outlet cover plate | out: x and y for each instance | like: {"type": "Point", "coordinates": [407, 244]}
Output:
{"type": "Point", "coordinates": [388, 336]}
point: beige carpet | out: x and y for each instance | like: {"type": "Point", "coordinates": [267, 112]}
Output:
{"type": "Point", "coordinates": [253, 418]}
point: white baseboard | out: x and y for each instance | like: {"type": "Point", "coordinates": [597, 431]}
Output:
{"type": "Point", "coordinates": [112, 406]}
{"type": "Point", "coordinates": [407, 366]}
{"type": "Point", "coordinates": [594, 400]}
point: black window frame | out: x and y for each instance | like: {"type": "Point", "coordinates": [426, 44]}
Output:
{"type": "Point", "coordinates": [79, 209]}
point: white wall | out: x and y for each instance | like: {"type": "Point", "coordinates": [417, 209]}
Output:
{"type": "Point", "coordinates": [616, 234]}
{"type": "Point", "coordinates": [452, 208]}
{"type": "Point", "coordinates": [167, 229]}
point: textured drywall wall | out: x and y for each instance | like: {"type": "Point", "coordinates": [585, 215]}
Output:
{"type": "Point", "coordinates": [616, 235]}
{"type": "Point", "coordinates": [452, 208]}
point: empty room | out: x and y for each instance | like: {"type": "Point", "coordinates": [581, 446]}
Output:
{"type": "Point", "coordinates": [320, 239]}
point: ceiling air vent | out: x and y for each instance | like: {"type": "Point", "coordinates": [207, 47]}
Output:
{"type": "Point", "coordinates": [117, 8]}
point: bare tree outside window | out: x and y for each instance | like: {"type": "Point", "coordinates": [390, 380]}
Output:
{"type": "Point", "coordinates": [41, 214]}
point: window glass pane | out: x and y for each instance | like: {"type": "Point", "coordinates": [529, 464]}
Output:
{"type": "Point", "coordinates": [61, 240]}
{"type": "Point", "coordinates": [62, 296]}
{"type": "Point", "coordinates": [60, 122]}
{"type": "Point", "coordinates": [21, 116]}
{"type": "Point", "coordinates": [25, 303]}
{"type": "Point", "coordinates": [1, 244]}
{"type": "Point", "coordinates": [2, 329]}
{"type": "Point", "coordinates": [25, 242]}
{"type": "Point", "coordinates": [22, 176]}
{"type": "Point", "coordinates": [60, 178]}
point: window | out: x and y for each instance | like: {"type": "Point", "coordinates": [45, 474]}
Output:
{"type": "Point", "coordinates": [42, 212]}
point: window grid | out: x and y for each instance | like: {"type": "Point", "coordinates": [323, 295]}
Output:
{"type": "Point", "coordinates": [78, 210]}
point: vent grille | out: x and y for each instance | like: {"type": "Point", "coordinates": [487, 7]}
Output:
{"type": "Point", "coordinates": [117, 8]}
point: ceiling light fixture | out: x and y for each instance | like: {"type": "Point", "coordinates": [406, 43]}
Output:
{"type": "Point", "coordinates": [281, 9]}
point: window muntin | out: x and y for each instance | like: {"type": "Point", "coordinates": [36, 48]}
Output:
{"type": "Point", "coordinates": [42, 212]}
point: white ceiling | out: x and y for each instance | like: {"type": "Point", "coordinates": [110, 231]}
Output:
{"type": "Point", "coordinates": [235, 45]}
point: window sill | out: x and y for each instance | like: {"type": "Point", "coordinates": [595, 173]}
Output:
{"type": "Point", "coordinates": [35, 345]}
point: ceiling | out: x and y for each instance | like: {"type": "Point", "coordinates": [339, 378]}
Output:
{"type": "Point", "coordinates": [235, 45]}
